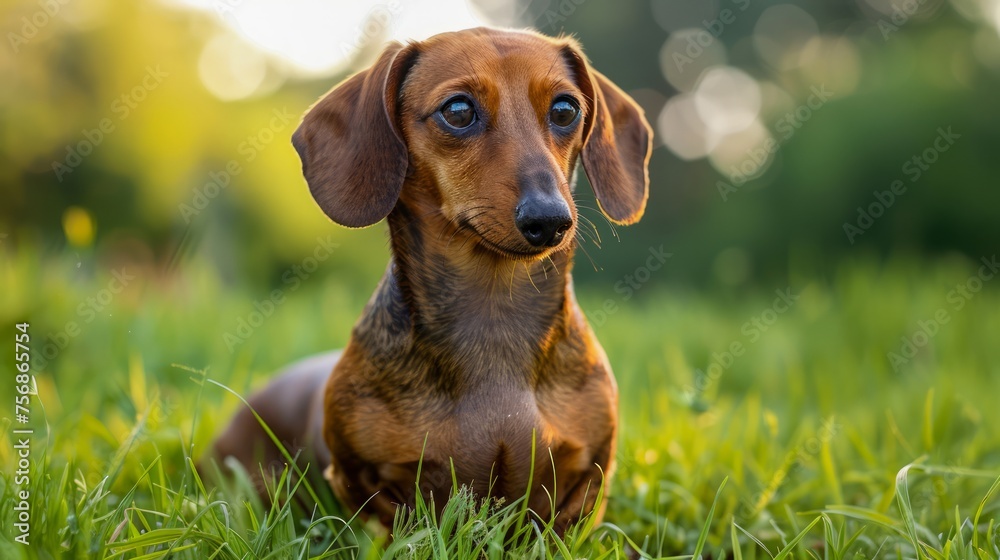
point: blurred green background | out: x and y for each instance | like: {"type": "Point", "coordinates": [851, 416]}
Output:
{"type": "Point", "coordinates": [185, 88]}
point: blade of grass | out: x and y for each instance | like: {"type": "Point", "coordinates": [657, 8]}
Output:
{"type": "Point", "coordinates": [979, 512]}
{"type": "Point", "coordinates": [783, 553]}
{"type": "Point", "coordinates": [737, 551]}
{"type": "Point", "coordinates": [703, 536]}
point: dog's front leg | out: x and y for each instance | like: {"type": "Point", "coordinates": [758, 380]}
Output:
{"type": "Point", "coordinates": [582, 496]}
{"type": "Point", "coordinates": [363, 490]}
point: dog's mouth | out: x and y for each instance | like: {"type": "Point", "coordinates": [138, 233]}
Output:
{"type": "Point", "coordinates": [510, 253]}
{"type": "Point", "coordinates": [521, 251]}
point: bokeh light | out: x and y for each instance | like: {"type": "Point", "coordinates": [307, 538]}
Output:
{"type": "Point", "coordinates": [683, 130]}
{"type": "Point", "coordinates": [78, 225]}
{"type": "Point", "coordinates": [727, 100]}
{"type": "Point", "coordinates": [687, 54]}
{"type": "Point", "coordinates": [744, 154]}
{"type": "Point", "coordinates": [230, 69]}
{"type": "Point", "coordinates": [781, 33]}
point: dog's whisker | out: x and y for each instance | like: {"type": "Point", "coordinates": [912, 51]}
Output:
{"type": "Point", "coordinates": [594, 227]}
{"type": "Point", "coordinates": [591, 259]}
{"type": "Point", "coordinates": [554, 267]}
{"type": "Point", "coordinates": [513, 269]}
{"type": "Point", "coordinates": [611, 224]}
{"type": "Point", "coordinates": [583, 235]}
{"type": "Point", "coordinates": [555, 60]}
{"type": "Point", "coordinates": [587, 234]}
{"type": "Point", "coordinates": [530, 279]}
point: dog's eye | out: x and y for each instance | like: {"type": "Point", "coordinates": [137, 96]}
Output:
{"type": "Point", "coordinates": [563, 112]}
{"type": "Point", "coordinates": [458, 112]}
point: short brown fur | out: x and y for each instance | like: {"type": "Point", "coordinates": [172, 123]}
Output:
{"type": "Point", "coordinates": [473, 343]}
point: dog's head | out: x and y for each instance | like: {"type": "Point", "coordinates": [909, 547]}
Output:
{"type": "Point", "coordinates": [491, 122]}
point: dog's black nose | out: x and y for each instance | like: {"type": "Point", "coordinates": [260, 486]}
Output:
{"type": "Point", "coordinates": [543, 220]}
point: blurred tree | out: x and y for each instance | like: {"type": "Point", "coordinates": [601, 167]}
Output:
{"type": "Point", "coordinates": [107, 111]}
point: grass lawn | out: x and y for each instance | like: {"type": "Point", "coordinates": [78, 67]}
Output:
{"type": "Point", "coordinates": [752, 425]}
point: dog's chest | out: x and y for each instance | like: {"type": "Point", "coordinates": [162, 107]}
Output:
{"type": "Point", "coordinates": [496, 434]}
{"type": "Point", "coordinates": [493, 422]}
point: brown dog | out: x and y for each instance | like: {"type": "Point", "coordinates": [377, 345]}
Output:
{"type": "Point", "coordinates": [473, 344]}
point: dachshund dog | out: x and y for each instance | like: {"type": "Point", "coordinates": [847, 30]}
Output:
{"type": "Point", "coordinates": [472, 358]}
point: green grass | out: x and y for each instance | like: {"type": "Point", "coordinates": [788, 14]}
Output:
{"type": "Point", "coordinates": [807, 445]}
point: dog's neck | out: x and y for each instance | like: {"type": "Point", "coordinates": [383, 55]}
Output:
{"type": "Point", "coordinates": [445, 293]}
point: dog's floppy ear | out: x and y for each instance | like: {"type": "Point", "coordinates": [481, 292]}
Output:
{"type": "Point", "coordinates": [353, 155]}
{"type": "Point", "coordinates": [617, 143]}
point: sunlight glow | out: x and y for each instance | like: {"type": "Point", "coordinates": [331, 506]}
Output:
{"type": "Point", "coordinates": [229, 69]}
{"type": "Point", "coordinates": [316, 37]}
